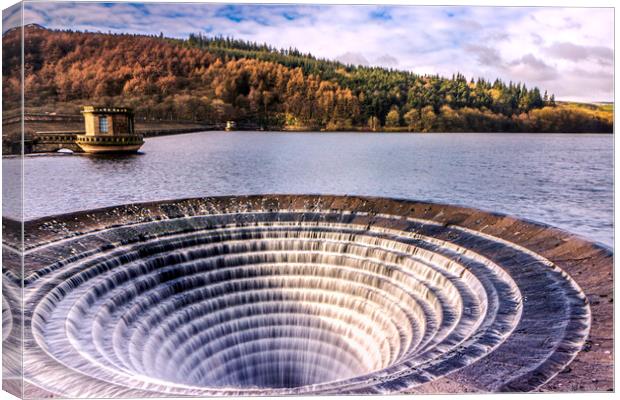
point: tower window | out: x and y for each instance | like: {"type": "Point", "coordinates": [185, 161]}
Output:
{"type": "Point", "coordinates": [103, 124]}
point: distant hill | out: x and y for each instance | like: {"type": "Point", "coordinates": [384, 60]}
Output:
{"type": "Point", "coordinates": [219, 79]}
{"type": "Point", "coordinates": [602, 106]}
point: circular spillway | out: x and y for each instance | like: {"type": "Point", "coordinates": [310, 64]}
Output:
{"type": "Point", "coordinates": [296, 295]}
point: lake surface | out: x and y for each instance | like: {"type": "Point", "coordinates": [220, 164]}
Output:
{"type": "Point", "coordinates": [562, 180]}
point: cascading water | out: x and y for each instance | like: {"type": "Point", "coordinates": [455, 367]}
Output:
{"type": "Point", "coordinates": [288, 295]}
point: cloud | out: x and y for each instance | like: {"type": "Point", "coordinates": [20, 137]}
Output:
{"type": "Point", "coordinates": [532, 69]}
{"type": "Point", "coordinates": [512, 43]}
{"type": "Point", "coordinates": [11, 17]}
{"type": "Point", "coordinates": [574, 52]}
{"type": "Point", "coordinates": [386, 60]}
{"type": "Point", "coordinates": [527, 67]}
{"type": "Point", "coordinates": [352, 58]}
{"type": "Point", "coordinates": [485, 55]}
{"type": "Point", "coordinates": [536, 38]}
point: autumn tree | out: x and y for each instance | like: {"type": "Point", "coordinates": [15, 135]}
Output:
{"type": "Point", "coordinates": [428, 119]}
{"type": "Point", "coordinates": [393, 118]}
{"type": "Point", "coordinates": [413, 120]}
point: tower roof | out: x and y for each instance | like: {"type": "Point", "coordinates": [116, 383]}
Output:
{"type": "Point", "coordinates": [106, 110]}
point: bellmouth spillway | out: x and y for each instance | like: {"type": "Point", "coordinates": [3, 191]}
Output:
{"type": "Point", "coordinates": [294, 294]}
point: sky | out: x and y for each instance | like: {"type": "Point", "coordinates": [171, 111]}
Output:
{"type": "Point", "coordinates": [567, 51]}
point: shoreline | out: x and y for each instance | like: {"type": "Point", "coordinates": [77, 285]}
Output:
{"type": "Point", "coordinates": [148, 134]}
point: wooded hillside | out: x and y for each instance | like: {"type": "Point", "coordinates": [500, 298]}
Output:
{"type": "Point", "coordinates": [220, 79]}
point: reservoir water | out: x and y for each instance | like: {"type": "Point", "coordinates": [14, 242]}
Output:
{"type": "Point", "coordinates": [562, 180]}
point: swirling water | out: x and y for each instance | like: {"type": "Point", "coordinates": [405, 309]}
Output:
{"type": "Point", "coordinates": [565, 180]}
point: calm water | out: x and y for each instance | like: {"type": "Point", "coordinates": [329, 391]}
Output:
{"type": "Point", "coordinates": [562, 180]}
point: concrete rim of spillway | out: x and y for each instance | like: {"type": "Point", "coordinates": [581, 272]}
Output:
{"type": "Point", "coordinates": [576, 353]}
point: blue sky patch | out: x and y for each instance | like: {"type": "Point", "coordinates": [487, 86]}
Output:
{"type": "Point", "coordinates": [382, 14]}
